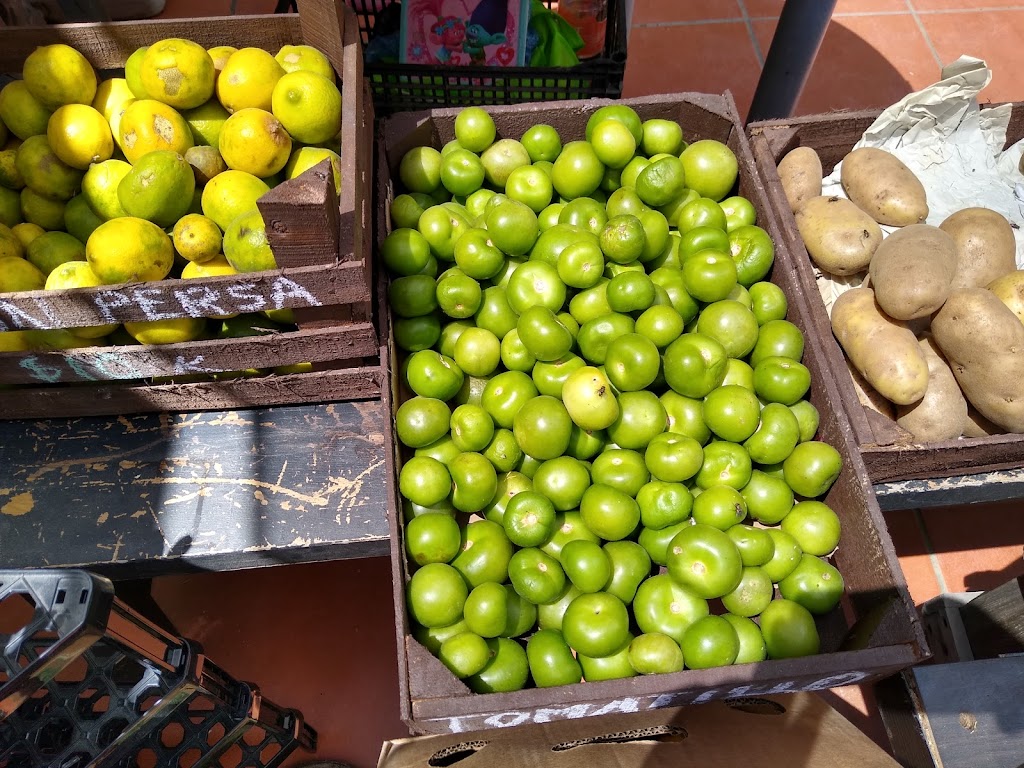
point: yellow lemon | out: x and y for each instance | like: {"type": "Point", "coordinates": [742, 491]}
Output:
{"type": "Point", "coordinates": [115, 122]}
{"type": "Point", "coordinates": [196, 238]}
{"type": "Point", "coordinates": [9, 176]}
{"type": "Point", "coordinates": [111, 96]}
{"type": "Point", "coordinates": [230, 194]}
{"type": "Point", "coordinates": [293, 58]}
{"type": "Point", "coordinates": [248, 80]}
{"type": "Point", "coordinates": [21, 111]}
{"type": "Point", "coordinates": [157, 332]}
{"type": "Point", "coordinates": [50, 250]}
{"type": "Point", "coordinates": [42, 211]}
{"type": "Point", "coordinates": [18, 275]}
{"type": "Point", "coordinates": [129, 250]}
{"type": "Point", "coordinates": [308, 105]}
{"type": "Point", "coordinates": [80, 136]}
{"type": "Point", "coordinates": [158, 188]}
{"type": "Point", "coordinates": [26, 232]}
{"type": "Point", "coordinates": [13, 341]}
{"type": "Point", "coordinates": [57, 340]}
{"type": "Point", "coordinates": [215, 267]}
{"type": "Point", "coordinates": [148, 125]}
{"type": "Point", "coordinates": [133, 73]}
{"type": "Point", "coordinates": [44, 172]}
{"type": "Point", "coordinates": [58, 74]}
{"type": "Point", "coordinates": [254, 141]}
{"type": "Point", "coordinates": [206, 122]}
{"type": "Point", "coordinates": [177, 72]}
{"type": "Point", "coordinates": [80, 219]}
{"type": "Point", "coordinates": [246, 246]}
{"type": "Point", "coordinates": [10, 207]}
{"type": "Point", "coordinates": [206, 163]}
{"type": "Point", "coordinates": [78, 274]}
{"type": "Point", "coordinates": [283, 316]}
{"type": "Point", "coordinates": [10, 244]}
{"type": "Point", "coordinates": [220, 55]}
{"type": "Point", "coordinates": [99, 187]}
{"type": "Point", "coordinates": [282, 370]}
{"type": "Point", "coordinates": [304, 158]}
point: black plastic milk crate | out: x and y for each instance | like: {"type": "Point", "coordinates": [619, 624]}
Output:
{"type": "Point", "coordinates": [410, 87]}
{"type": "Point", "coordinates": [85, 681]}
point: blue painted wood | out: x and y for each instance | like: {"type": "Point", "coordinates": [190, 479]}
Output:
{"type": "Point", "coordinates": [139, 496]}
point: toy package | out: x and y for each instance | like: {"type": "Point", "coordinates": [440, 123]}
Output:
{"type": "Point", "coordinates": [461, 32]}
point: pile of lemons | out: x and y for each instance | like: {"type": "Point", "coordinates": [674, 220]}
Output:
{"type": "Point", "coordinates": [152, 175]}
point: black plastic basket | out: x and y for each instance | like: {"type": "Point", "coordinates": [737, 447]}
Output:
{"type": "Point", "coordinates": [409, 87]}
{"type": "Point", "coordinates": [85, 681]}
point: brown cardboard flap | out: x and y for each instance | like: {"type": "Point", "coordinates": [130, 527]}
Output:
{"type": "Point", "coordinates": [799, 731]}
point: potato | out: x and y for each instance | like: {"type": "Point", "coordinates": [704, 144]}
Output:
{"type": "Point", "coordinates": [883, 350]}
{"type": "Point", "coordinates": [984, 343]}
{"type": "Point", "coordinates": [882, 186]}
{"type": "Point", "coordinates": [912, 270]}
{"type": "Point", "coordinates": [800, 172]}
{"type": "Point", "coordinates": [978, 426]}
{"type": "Point", "coordinates": [869, 397]}
{"type": "Point", "coordinates": [985, 248]}
{"type": "Point", "coordinates": [1009, 289]}
{"type": "Point", "coordinates": [840, 237]}
{"type": "Point", "coordinates": [942, 413]}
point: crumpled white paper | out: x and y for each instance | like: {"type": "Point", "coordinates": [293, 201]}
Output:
{"type": "Point", "coordinates": [954, 147]}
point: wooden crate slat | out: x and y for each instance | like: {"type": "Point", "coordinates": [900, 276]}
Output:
{"type": "Point", "coordinates": [189, 358]}
{"type": "Point", "coordinates": [360, 383]}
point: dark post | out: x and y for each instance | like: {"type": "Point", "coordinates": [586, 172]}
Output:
{"type": "Point", "coordinates": [798, 36]}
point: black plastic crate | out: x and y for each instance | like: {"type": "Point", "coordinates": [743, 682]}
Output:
{"type": "Point", "coordinates": [85, 681]}
{"type": "Point", "coordinates": [405, 87]}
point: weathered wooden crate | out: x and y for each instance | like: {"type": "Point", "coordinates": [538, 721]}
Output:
{"type": "Point", "coordinates": [889, 451]}
{"type": "Point", "coordinates": [876, 633]}
{"type": "Point", "coordinates": [320, 239]}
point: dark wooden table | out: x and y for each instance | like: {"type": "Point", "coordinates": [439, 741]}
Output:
{"type": "Point", "coordinates": [145, 495]}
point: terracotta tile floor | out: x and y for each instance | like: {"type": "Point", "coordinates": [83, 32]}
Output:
{"type": "Point", "coordinates": [320, 637]}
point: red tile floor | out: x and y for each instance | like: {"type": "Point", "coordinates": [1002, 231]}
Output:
{"type": "Point", "coordinates": [321, 637]}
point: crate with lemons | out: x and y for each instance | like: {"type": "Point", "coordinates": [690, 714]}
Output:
{"type": "Point", "coordinates": [153, 175]}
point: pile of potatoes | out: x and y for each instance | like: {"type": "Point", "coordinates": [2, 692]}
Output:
{"type": "Point", "coordinates": [935, 335]}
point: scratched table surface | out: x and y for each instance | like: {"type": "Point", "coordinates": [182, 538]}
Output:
{"type": "Point", "coordinates": [139, 496]}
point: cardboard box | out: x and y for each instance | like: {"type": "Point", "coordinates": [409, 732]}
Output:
{"type": "Point", "coordinates": [799, 731]}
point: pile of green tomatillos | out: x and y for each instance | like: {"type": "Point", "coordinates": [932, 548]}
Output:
{"type": "Point", "coordinates": [603, 416]}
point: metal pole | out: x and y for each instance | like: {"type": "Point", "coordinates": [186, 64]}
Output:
{"type": "Point", "coordinates": [798, 37]}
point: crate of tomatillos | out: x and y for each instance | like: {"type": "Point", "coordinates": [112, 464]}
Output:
{"type": "Point", "coordinates": [184, 215]}
{"type": "Point", "coordinates": [621, 477]}
{"type": "Point", "coordinates": [934, 344]}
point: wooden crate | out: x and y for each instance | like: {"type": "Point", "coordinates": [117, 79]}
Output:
{"type": "Point", "coordinates": [889, 452]}
{"type": "Point", "coordinates": [320, 239]}
{"type": "Point", "coordinates": [876, 633]}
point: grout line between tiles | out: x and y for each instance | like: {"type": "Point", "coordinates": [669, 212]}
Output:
{"type": "Point", "coordinates": [936, 565]}
{"type": "Point", "coordinates": [911, 11]}
{"type": "Point", "coordinates": [758, 53]}
{"type": "Point", "coordinates": [924, 34]}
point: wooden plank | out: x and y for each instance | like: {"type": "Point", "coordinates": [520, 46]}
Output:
{"type": "Point", "coordinates": [188, 359]}
{"type": "Point", "coordinates": [970, 712]}
{"type": "Point", "coordinates": [251, 292]}
{"type": "Point", "coordinates": [887, 454]}
{"type": "Point", "coordinates": [107, 45]}
{"type": "Point", "coordinates": [141, 496]}
{"type": "Point", "coordinates": [994, 621]}
{"type": "Point", "coordinates": [356, 383]}
{"type": "Point", "coordinates": [946, 491]}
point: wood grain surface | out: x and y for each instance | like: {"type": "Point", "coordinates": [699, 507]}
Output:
{"type": "Point", "coordinates": [139, 496]}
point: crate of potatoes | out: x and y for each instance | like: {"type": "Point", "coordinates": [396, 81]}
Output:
{"type": "Point", "coordinates": [922, 327]}
{"type": "Point", "coordinates": [621, 477]}
{"type": "Point", "coordinates": [184, 214]}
